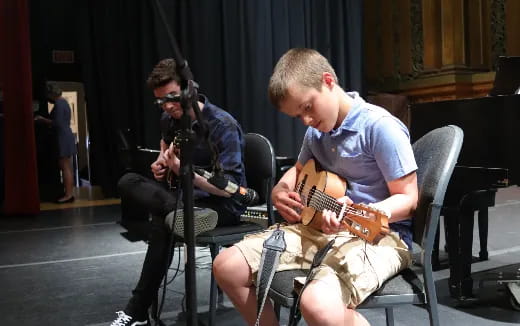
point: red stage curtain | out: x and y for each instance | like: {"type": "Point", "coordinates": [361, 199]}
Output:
{"type": "Point", "coordinates": [21, 180]}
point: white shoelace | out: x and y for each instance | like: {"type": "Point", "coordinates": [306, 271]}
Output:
{"type": "Point", "coordinates": [121, 320]}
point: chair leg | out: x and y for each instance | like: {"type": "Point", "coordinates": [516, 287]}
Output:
{"type": "Point", "coordinates": [435, 253]}
{"type": "Point", "coordinates": [431, 296]}
{"type": "Point", "coordinates": [220, 295]}
{"type": "Point", "coordinates": [277, 308]}
{"type": "Point", "coordinates": [389, 311]}
{"type": "Point", "coordinates": [294, 315]}
{"type": "Point", "coordinates": [433, 312]}
{"type": "Point", "coordinates": [214, 249]}
{"type": "Point", "coordinates": [154, 307]}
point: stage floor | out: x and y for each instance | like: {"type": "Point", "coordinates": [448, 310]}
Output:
{"type": "Point", "coordinates": [73, 266]}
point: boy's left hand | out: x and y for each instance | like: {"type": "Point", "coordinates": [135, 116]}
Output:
{"type": "Point", "coordinates": [330, 223]}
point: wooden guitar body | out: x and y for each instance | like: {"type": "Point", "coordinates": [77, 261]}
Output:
{"type": "Point", "coordinates": [319, 190]}
{"type": "Point", "coordinates": [324, 181]}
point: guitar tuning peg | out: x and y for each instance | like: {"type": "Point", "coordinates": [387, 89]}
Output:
{"type": "Point", "coordinates": [380, 211]}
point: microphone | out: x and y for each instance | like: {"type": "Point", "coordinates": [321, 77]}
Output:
{"type": "Point", "coordinates": [245, 196]}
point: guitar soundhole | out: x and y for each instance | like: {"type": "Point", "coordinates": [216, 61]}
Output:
{"type": "Point", "coordinates": [305, 197]}
{"type": "Point", "coordinates": [299, 187]}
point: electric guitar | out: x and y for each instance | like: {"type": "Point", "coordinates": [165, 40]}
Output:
{"type": "Point", "coordinates": [319, 189]}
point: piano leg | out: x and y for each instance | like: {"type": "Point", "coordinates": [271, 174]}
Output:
{"type": "Point", "coordinates": [460, 238]}
{"type": "Point", "coordinates": [460, 223]}
{"type": "Point", "coordinates": [467, 220]}
{"type": "Point", "coordinates": [483, 232]}
{"type": "Point", "coordinates": [487, 200]}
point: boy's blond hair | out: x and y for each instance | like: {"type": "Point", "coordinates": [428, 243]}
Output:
{"type": "Point", "coordinates": [301, 66]}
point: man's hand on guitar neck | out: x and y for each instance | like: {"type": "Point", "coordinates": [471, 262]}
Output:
{"type": "Point", "coordinates": [160, 167]}
{"type": "Point", "coordinates": [330, 223]}
{"type": "Point", "coordinates": [171, 159]}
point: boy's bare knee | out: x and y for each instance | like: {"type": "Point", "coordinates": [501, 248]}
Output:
{"type": "Point", "coordinates": [230, 266]}
{"type": "Point", "coordinates": [321, 306]}
{"type": "Point", "coordinates": [222, 261]}
{"type": "Point", "coordinates": [309, 305]}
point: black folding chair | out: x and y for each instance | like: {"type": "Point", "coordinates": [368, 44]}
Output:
{"type": "Point", "coordinates": [259, 162]}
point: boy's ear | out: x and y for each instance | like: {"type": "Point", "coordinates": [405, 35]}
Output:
{"type": "Point", "coordinates": [328, 79]}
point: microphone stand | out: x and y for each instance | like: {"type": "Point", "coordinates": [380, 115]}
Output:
{"type": "Point", "coordinates": [189, 100]}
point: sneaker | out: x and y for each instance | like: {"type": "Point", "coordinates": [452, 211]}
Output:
{"type": "Point", "coordinates": [125, 320]}
{"type": "Point", "coordinates": [205, 220]}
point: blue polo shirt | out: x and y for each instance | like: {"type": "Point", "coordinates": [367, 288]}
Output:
{"type": "Point", "coordinates": [368, 149]}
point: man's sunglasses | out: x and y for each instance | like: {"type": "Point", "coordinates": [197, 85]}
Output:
{"type": "Point", "coordinates": [159, 101]}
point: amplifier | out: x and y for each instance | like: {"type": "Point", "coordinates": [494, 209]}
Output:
{"type": "Point", "coordinates": [258, 214]}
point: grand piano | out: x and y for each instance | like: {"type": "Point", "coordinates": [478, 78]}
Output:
{"type": "Point", "coordinates": [489, 159]}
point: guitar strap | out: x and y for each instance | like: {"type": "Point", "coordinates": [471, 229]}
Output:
{"type": "Point", "coordinates": [273, 248]}
{"type": "Point", "coordinates": [316, 261]}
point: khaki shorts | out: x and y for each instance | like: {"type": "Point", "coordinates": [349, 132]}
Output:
{"type": "Point", "coordinates": [353, 265]}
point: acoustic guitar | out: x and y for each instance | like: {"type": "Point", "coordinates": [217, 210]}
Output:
{"type": "Point", "coordinates": [320, 189]}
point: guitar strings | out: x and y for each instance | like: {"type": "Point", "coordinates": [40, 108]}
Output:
{"type": "Point", "coordinates": [319, 197]}
{"type": "Point", "coordinates": [329, 202]}
{"type": "Point", "coordinates": [337, 209]}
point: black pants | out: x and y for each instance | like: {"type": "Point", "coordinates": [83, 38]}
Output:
{"type": "Point", "coordinates": [155, 198]}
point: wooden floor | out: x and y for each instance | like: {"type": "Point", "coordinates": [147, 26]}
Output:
{"type": "Point", "coordinates": [84, 197]}
{"type": "Point", "coordinates": [47, 206]}
{"type": "Point", "coordinates": [73, 265]}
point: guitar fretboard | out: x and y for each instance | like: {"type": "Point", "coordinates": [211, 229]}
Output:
{"type": "Point", "coordinates": [320, 201]}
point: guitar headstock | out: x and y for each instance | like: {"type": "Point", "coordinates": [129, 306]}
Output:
{"type": "Point", "coordinates": [366, 221]}
{"type": "Point", "coordinates": [178, 139]}
{"type": "Point", "coordinates": [369, 212]}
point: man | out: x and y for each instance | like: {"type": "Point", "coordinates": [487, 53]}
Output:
{"type": "Point", "coordinates": [359, 142]}
{"type": "Point", "coordinates": [225, 136]}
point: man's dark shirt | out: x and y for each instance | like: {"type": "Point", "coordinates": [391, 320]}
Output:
{"type": "Point", "coordinates": [226, 137]}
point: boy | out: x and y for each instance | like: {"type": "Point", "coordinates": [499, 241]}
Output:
{"type": "Point", "coordinates": [359, 142]}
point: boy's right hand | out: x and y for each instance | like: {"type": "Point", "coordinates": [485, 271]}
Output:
{"type": "Point", "coordinates": [288, 204]}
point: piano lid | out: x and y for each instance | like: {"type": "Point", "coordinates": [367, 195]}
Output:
{"type": "Point", "coordinates": [491, 128]}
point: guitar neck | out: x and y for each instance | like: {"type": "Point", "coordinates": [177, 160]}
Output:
{"type": "Point", "coordinates": [321, 201]}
